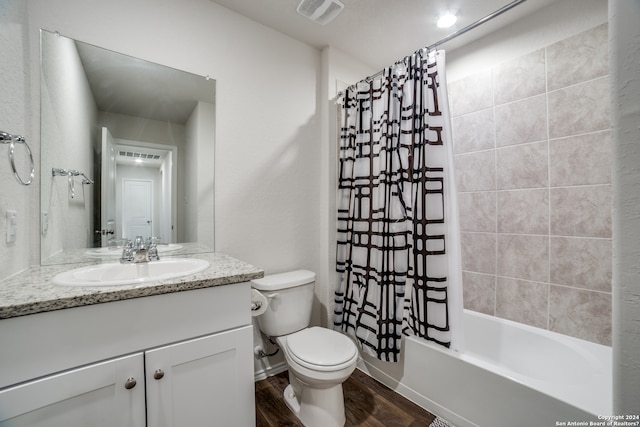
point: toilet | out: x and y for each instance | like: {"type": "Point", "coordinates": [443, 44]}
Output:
{"type": "Point", "coordinates": [319, 359]}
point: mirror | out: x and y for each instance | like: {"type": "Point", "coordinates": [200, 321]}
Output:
{"type": "Point", "coordinates": [127, 148]}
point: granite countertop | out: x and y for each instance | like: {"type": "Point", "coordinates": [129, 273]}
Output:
{"type": "Point", "coordinates": [32, 292]}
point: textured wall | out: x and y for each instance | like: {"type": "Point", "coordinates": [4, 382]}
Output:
{"type": "Point", "coordinates": [14, 118]}
{"type": "Point", "coordinates": [533, 161]}
{"type": "Point", "coordinates": [625, 71]}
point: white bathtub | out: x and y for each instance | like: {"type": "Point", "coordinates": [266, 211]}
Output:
{"type": "Point", "coordinates": [509, 375]}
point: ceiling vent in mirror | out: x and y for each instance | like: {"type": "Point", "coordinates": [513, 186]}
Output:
{"type": "Point", "coordinates": [320, 11]}
{"type": "Point", "coordinates": [133, 155]}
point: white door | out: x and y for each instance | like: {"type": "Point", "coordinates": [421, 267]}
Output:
{"type": "Point", "coordinates": [107, 188]}
{"type": "Point", "coordinates": [202, 382]}
{"type": "Point", "coordinates": [137, 207]}
{"type": "Point", "coordinates": [96, 395]}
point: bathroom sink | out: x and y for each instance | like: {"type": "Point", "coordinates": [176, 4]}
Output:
{"type": "Point", "coordinates": [114, 274]}
{"type": "Point", "coordinates": [117, 252]}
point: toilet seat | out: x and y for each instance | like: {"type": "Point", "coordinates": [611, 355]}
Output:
{"type": "Point", "coordinates": [321, 349]}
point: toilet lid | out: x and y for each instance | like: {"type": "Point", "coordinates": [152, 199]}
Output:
{"type": "Point", "coordinates": [321, 347]}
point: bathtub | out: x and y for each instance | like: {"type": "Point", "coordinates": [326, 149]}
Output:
{"type": "Point", "coordinates": [509, 375]}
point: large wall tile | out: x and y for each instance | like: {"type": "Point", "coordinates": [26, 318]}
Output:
{"type": "Point", "coordinates": [479, 252]}
{"type": "Point", "coordinates": [581, 262]}
{"type": "Point", "coordinates": [520, 78]}
{"type": "Point", "coordinates": [474, 131]}
{"type": "Point", "coordinates": [477, 211]}
{"type": "Point", "coordinates": [479, 292]}
{"type": "Point", "coordinates": [580, 313]}
{"type": "Point", "coordinates": [476, 171]}
{"type": "Point", "coordinates": [521, 121]}
{"type": "Point", "coordinates": [533, 166]}
{"type": "Point", "coordinates": [472, 93]}
{"type": "Point", "coordinates": [522, 301]}
{"type": "Point", "coordinates": [523, 211]}
{"type": "Point", "coordinates": [522, 166]}
{"type": "Point", "coordinates": [580, 109]}
{"type": "Point", "coordinates": [581, 211]}
{"type": "Point", "coordinates": [582, 159]}
{"type": "Point", "coordinates": [523, 257]}
{"type": "Point", "coordinates": [576, 59]}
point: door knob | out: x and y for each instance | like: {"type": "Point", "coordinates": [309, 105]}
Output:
{"type": "Point", "coordinates": [158, 374]}
{"type": "Point", "coordinates": [130, 383]}
{"type": "Point", "coordinates": [105, 232]}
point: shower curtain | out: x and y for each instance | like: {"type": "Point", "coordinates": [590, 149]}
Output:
{"type": "Point", "coordinates": [398, 249]}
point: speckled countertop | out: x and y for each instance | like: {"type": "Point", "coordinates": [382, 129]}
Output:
{"type": "Point", "coordinates": [32, 292]}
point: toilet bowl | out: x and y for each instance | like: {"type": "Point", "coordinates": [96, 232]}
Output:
{"type": "Point", "coordinates": [319, 359]}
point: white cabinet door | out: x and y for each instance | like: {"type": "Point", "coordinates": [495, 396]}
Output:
{"type": "Point", "coordinates": [95, 395]}
{"type": "Point", "coordinates": [206, 381]}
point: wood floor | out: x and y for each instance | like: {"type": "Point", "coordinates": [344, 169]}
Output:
{"type": "Point", "coordinates": [367, 403]}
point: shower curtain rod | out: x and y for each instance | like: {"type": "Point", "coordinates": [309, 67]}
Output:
{"type": "Point", "coordinates": [477, 23]}
{"type": "Point", "coordinates": [460, 32]}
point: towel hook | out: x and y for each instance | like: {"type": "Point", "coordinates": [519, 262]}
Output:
{"type": "Point", "coordinates": [7, 138]}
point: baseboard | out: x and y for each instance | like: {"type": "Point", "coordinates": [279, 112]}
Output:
{"type": "Point", "coordinates": [270, 371]}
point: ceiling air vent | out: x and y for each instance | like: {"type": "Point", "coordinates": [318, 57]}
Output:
{"type": "Point", "coordinates": [139, 155]}
{"type": "Point", "coordinates": [320, 11]}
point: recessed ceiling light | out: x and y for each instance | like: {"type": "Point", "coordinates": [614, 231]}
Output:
{"type": "Point", "coordinates": [447, 20]}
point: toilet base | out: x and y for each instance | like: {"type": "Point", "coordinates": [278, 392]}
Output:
{"type": "Point", "coordinates": [317, 407]}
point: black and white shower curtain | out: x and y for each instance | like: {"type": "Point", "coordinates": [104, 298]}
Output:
{"type": "Point", "coordinates": [398, 248]}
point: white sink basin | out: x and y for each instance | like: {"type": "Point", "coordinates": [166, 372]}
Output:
{"type": "Point", "coordinates": [114, 274]}
{"type": "Point", "coordinates": [117, 252]}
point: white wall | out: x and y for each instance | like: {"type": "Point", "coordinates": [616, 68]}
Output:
{"type": "Point", "coordinates": [625, 64]}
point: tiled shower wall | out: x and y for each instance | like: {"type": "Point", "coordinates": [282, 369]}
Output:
{"type": "Point", "coordinates": [532, 139]}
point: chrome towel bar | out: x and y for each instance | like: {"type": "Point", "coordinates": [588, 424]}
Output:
{"type": "Point", "coordinates": [71, 172]}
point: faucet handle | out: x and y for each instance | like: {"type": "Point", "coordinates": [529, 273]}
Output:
{"type": "Point", "coordinates": [152, 252]}
{"type": "Point", "coordinates": [153, 240]}
{"type": "Point", "coordinates": [127, 252]}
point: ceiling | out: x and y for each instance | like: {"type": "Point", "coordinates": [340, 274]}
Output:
{"type": "Point", "coordinates": [126, 85]}
{"type": "Point", "coordinates": [380, 32]}
{"type": "Point", "coordinates": [376, 32]}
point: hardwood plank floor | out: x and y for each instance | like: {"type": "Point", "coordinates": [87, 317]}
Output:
{"type": "Point", "coordinates": [367, 403]}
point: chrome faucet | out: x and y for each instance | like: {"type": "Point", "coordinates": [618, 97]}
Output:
{"type": "Point", "coordinates": [137, 251]}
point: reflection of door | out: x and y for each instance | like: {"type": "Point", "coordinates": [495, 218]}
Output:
{"type": "Point", "coordinates": [107, 188]}
{"type": "Point", "coordinates": [137, 202]}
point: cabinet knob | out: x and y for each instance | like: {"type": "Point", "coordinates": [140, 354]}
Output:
{"type": "Point", "coordinates": [158, 374]}
{"type": "Point", "coordinates": [130, 383]}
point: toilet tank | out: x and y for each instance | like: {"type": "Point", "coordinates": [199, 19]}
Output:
{"type": "Point", "coordinates": [290, 297]}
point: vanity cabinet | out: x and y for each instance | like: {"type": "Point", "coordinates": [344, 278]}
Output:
{"type": "Point", "coordinates": [93, 395]}
{"type": "Point", "coordinates": [176, 360]}
{"type": "Point", "coordinates": [202, 382]}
